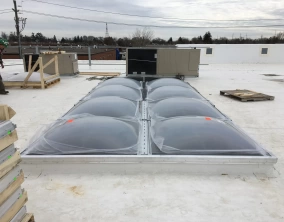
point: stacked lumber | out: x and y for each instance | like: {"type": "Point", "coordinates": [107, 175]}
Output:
{"type": "Point", "coordinates": [12, 196]}
{"type": "Point", "coordinates": [114, 74]}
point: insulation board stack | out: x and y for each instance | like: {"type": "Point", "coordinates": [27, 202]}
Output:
{"type": "Point", "coordinates": [12, 196]}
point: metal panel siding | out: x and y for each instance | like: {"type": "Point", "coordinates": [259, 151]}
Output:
{"type": "Point", "coordinates": [165, 62]}
{"type": "Point", "coordinates": [178, 61]}
{"type": "Point", "coordinates": [66, 63]}
{"type": "Point", "coordinates": [194, 60]}
{"type": "Point", "coordinates": [75, 67]}
{"type": "Point", "coordinates": [49, 69]}
{"type": "Point", "coordinates": [182, 61]}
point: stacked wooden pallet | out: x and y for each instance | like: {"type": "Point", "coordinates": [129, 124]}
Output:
{"type": "Point", "coordinates": [12, 197]}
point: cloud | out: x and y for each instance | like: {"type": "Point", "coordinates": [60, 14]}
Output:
{"type": "Point", "coordinates": [186, 9]}
{"type": "Point", "coordinates": [278, 12]}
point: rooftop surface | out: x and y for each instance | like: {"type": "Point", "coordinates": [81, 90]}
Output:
{"type": "Point", "coordinates": [159, 196]}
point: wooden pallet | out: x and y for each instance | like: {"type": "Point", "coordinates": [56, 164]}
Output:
{"type": "Point", "coordinates": [47, 84]}
{"type": "Point", "coordinates": [246, 95]}
{"type": "Point", "coordinates": [35, 85]}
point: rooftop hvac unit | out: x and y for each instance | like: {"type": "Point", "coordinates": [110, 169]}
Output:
{"type": "Point", "coordinates": [67, 63]}
{"type": "Point", "coordinates": [163, 62]}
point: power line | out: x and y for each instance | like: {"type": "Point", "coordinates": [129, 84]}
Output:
{"type": "Point", "coordinates": [154, 26]}
{"type": "Point", "coordinates": [5, 9]}
{"type": "Point", "coordinates": [5, 12]}
{"type": "Point", "coordinates": [153, 17]}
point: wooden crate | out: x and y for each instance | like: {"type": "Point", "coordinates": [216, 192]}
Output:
{"type": "Point", "coordinates": [44, 82]}
{"type": "Point", "coordinates": [246, 95]}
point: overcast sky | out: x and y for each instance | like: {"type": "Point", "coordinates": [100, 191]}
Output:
{"type": "Point", "coordinates": [184, 9]}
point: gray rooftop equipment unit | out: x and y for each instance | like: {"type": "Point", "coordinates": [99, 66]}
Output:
{"type": "Point", "coordinates": [162, 62]}
{"type": "Point", "coordinates": [67, 63]}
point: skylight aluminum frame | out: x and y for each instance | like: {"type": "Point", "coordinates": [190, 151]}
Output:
{"type": "Point", "coordinates": [145, 162]}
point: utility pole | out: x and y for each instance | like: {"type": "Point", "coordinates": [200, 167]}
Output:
{"type": "Point", "coordinates": [17, 27]}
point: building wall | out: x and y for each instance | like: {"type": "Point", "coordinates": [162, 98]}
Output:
{"type": "Point", "coordinates": [83, 57]}
{"type": "Point", "coordinates": [240, 53]}
{"type": "Point", "coordinates": [11, 56]}
{"type": "Point", "coordinates": [108, 55]}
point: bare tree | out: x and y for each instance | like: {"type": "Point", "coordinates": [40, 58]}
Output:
{"type": "Point", "coordinates": [142, 37]}
{"type": "Point", "coordinates": [90, 38]}
{"type": "Point", "coordinates": [4, 35]}
{"type": "Point", "coordinates": [280, 35]}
